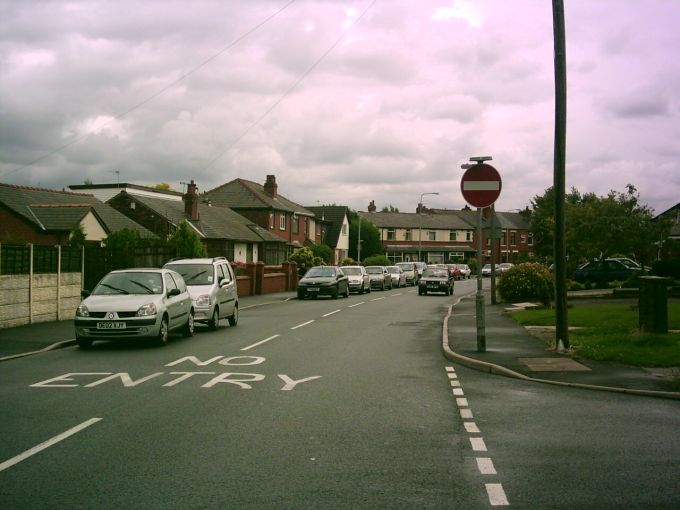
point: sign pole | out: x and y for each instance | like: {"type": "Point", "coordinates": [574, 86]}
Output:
{"type": "Point", "coordinates": [479, 296]}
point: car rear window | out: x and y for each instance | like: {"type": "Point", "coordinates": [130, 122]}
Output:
{"type": "Point", "coordinates": [195, 274]}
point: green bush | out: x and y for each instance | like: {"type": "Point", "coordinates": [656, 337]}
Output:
{"type": "Point", "coordinates": [574, 286]}
{"type": "Point", "coordinates": [667, 267]}
{"type": "Point", "coordinates": [526, 282]}
{"type": "Point", "coordinates": [349, 261]}
{"type": "Point", "coordinates": [377, 260]}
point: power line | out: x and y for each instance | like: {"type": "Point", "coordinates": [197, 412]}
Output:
{"type": "Point", "coordinates": [290, 89]}
{"type": "Point", "coordinates": [156, 94]}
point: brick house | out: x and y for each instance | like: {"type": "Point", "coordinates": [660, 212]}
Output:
{"type": "Point", "coordinates": [263, 205]}
{"type": "Point", "coordinates": [222, 231]}
{"type": "Point", "coordinates": [47, 217]}
{"type": "Point", "coordinates": [334, 232]}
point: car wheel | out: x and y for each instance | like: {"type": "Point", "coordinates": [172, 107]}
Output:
{"type": "Point", "coordinates": [361, 290]}
{"type": "Point", "coordinates": [233, 318]}
{"type": "Point", "coordinates": [162, 338]}
{"type": "Point", "coordinates": [335, 293]}
{"type": "Point", "coordinates": [84, 343]}
{"type": "Point", "coordinates": [347, 291]}
{"type": "Point", "coordinates": [214, 322]}
{"type": "Point", "coordinates": [188, 329]}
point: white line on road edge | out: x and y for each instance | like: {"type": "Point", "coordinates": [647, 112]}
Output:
{"type": "Point", "coordinates": [260, 342]}
{"type": "Point", "coordinates": [47, 444]}
{"type": "Point", "coordinates": [331, 313]}
{"type": "Point", "coordinates": [496, 494]}
{"type": "Point", "coordinates": [303, 324]}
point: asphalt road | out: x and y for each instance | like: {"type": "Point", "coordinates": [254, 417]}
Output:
{"type": "Point", "coordinates": [323, 403]}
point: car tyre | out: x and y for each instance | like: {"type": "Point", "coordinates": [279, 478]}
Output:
{"type": "Point", "coordinates": [347, 291]}
{"type": "Point", "coordinates": [162, 338]}
{"type": "Point", "coordinates": [233, 318]}
{"type": "Point", "coordinates": [84, 343]}
{"type": "Point", "coordinates": [214, 322]}
{"type": "Point", "coordinates": [188, 330]}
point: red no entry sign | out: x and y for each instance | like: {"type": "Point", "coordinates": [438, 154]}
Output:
{"type": "Point", "coordinates": [481, 185]}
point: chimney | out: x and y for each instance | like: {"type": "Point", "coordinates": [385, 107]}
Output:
{"type": "Point", "coordinates": [270, 186]}
{"type": "Point", "coordinates": [371, 206]}
{"type": "Point", "coordinates": [191, 201]}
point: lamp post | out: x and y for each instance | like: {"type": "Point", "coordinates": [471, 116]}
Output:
{"type": "Point", "coordinates": [420, 223]}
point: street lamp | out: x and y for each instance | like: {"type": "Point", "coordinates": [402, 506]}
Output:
{"type": "Point", "coordinates": [420, 222]}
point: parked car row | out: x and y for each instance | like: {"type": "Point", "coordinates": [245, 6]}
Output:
{"type": "Point", "coordinates": [151, 303]}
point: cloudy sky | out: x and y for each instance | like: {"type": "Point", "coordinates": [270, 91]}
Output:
{"type": "Point", "coordinates": [344, 101]}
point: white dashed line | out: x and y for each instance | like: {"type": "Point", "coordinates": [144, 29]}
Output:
{"type": "Point", "coordinates": [399, 294]}
{"type": "Point", "coordinates": [377, 299]}
{"type": "Point", "coordinates": [48, 443]}
{"type": "Point", "coordinates": [303, 324]}
{"type": "Point", "coordinates": [478, 444]}
{"type": "Point", "coordinates": [496, 494]}
{"type": "Point", "coordinates": [260, 342]}
{"type": "Point", "coordinates": [331, 313]}
{"type": "Point", "coordinates": [356, 304]}
{"type": "Point", "coordinates": [485, 466]}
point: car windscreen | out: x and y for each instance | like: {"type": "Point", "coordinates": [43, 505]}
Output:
{"type": "Point", "coordinates": [195, 274]}
{"type": "Point", "coordinates": [320, 272]}
{"type": "Point", "coordinates": [435, 273]}
{"type": "Point", "coordinates": [351, 270]}
{"type": "Point", "coordinates": [406, 267]}
{"type": "Point", "coordinates": [374, 270]}
{"type": "Point", "coordinates": [129, 283]}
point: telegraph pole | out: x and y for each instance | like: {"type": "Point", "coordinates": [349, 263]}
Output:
{"type": "Point", "coordinates": [561, 323]}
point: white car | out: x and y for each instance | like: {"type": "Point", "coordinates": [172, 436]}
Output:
{"type": "Point", "coordinates": [409, 269]}
{"type": "Point", "coordinates": [212, 286]}
{"type": "Point", "coordinates": [358, 278]}
{"type": "Point", "coordinates": [397, 275]}
{"type": "Point", "coordinates": [135, 303]}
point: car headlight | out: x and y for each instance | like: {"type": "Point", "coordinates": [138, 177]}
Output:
{"type": "Point", "coordinates": [82, 311]}
{"type": "Point", "coordinates": [203, 300]}
{"type": "Point", "coordinates": [146, 310]}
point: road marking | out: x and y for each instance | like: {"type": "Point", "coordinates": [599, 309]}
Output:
{"type": "Point", "coordinates": [466, 413]}
{"type": "Point", "coordinates": [331, 313]}
{"type": "Point", "coordinates": [478, 444]}
{"type": "Point", "coordinates": [461, 402]}
{"type": "Point", "coordinates": [496, 494]}
{"type": "Point", "coordinates": [455, 384]}
{"type": "Point", "coordinates": [356, 304]}
{"type": "Point", "coordinates": [260, 342]}
{"type": "Point", "coordinates": [458, 391]}
{"type": "Point", "coordinates": [377, 299]}
{"type": "Point", "coordinates": [398, 294]}
{"type": "Point", "coordinates": [303, 324]}
{"type": "Point", "coordinates": [471, 427]}
{"type": "Point", "coordinates": [485, 466]}
{"type": "Point", "coordinates": [47, 444]}
{"type": "Point", "coordinates": [450, 369]}
{"type": "Point", "coordinates": [452, 375]}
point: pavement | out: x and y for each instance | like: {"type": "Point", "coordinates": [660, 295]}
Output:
{"type": "Point", "coordinates": [510, 350]}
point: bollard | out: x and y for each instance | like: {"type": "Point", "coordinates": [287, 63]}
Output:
{"type": "Point", "coordinates": [653, 304]}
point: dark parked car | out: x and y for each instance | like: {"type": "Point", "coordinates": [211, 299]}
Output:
{"type": "Point", "coordinates": [605, 270]}
{"type": "Point", "coordinates": [323, 281]}
{"type": "Point", "coordinates": [436, 279]}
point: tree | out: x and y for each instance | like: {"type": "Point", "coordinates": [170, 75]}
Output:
{"type": "Point", "coordinates": [389, 208]}
{"type": "Point", "coordinates": [324, 252]}
{"type": "Point", "coordinates": [163, 186]}
{"type": "Point", "coordinates": [597, 227]}
{"type": "Point", "coordinates": [370, 237]}
{"type": "Point", "coordinates": [77, 237]}
{"type": "Point", "coordinates": [304, 258]}
{"type": "Point", "coordinates": [120, 247]}
{"type": "Point", "coordinates": [186, 242]}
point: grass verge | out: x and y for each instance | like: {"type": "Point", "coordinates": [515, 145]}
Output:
{"type": "Point", "coordinates": [610, 333]}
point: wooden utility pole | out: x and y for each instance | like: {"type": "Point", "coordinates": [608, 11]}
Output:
{"type": "Point", "coordinates": [561, 324]}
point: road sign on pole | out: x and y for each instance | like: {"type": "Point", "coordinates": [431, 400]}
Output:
{"type": "Point", "coordinates": [481, 185]}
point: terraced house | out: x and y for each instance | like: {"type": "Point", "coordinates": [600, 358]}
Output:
{"type": "Point", "coordinates": [449, 235]}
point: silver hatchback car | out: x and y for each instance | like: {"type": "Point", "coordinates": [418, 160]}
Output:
{"type": "Point", "coordinates": [212, 286]}
{"type": "Point", "coordinates": [135, 303]}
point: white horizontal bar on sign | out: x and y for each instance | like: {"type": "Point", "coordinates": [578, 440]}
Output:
{"type": "Point", "coordinates": [481, 185]}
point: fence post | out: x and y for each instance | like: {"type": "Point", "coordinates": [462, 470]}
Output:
{"type": "Point", "coordinates": [259, 277]}
{"type": "Point", "coordinates": [30, 283]}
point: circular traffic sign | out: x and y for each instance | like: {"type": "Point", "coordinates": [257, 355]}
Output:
{"type": "Point", "coordinates": [481, 185]}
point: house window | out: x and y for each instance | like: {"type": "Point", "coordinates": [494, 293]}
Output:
{"type": "Point", "coordinates": [513, 238]}
{"type": "Point", "coordinates": [271, 220]}
{"type": "Point", "coordinates": [523, 238]}
{"type": "Point", "coordinates": [452, 235]}
{"type": "Point", "coordinates": [504, 239]}
{"type": "Point", "coordinates": [296, 224]}
{"type": "Point", "coordinates": [282, 221]}
{"type": "Point", "coordinates": [530, 239]}
{"type": "Point", "coordinates": [305, 224]}
{"type": "Point", "coordinates": [468, 235]}
{"type": "Point", "coordinates": [407, 234]}
{"type": "Point", "coordinates": [391, 234]}
{"type": "Point", "coordinates": [431, 235]}
{"type": "Point", "coordinates": [344, 229]}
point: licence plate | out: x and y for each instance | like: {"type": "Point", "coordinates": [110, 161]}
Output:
{"type": "Point", "coordinates": [312, 290]}
{"type": "Point", "coordinates": [433, 286]}
{"type": "Point", "coordinates": [111, 325]}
